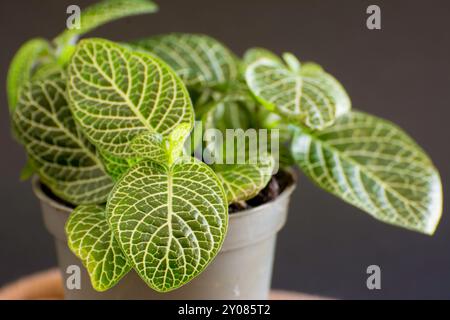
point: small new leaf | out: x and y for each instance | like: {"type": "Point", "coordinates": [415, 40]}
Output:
{"type": "Point", "coordinates": [170, 221]}
{"type": "Point", "coordinates": [376, 167]}
{"type": "Point", "coordinates": [91, 239]}
{"type": "Point", "coordinates": [150, 146]}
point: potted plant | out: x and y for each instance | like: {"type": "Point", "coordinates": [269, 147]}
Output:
{"type": "Point", "coordinates": [108, 130]}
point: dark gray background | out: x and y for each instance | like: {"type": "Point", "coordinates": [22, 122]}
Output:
{"type": "Point", "coordinates": [401, 73]}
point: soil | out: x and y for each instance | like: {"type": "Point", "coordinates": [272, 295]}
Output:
{"type": "Point", "coordinates": [276, 185]}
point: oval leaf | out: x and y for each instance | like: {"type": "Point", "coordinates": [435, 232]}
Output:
{"type": "Point", "coordinates": [312, 98]}
{"type": "Point", "coordinates": [199, 60]}
{"type": "Point", "coordinates": [116, 94]}
{"type": "Point", "coordinates": [65, 161]}
{"type": "Point", "coordinates": [91, 239]}
{"type": "Point", "coordinates": [170, 222]}
{"type": "Point", "coordinates": [376, 167]}
{"type": "Point", "coordinates": [254, 54]}
{"type": "Point", "coordinates": [244, 181]}
{"type": "Point", "coordinates": [21, 68]}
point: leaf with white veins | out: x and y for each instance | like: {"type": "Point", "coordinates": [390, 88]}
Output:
{"type": "Point", "coordinates": [170, 221]}
{"type": "Point", "coordinates": [21, 68]}
{"type": "Point", "coordinates": [91, 239]}
{"type": "Point", "coordinates": [199, 60]}
{"type": "Point", "coordinates": [150, 146]}
{"type": "Point", "coordinates": [65, 161]}
{"type": "Point", "coordinates": [309, 96]}
{"type": "Point", "coordinates": [244, 181]}
{"type": "Point", "coordinates": [117, 94]}
{"type": "Point", "coordinates": [254, 54]}
{"type": "Point", "coordinates": [375, 166]}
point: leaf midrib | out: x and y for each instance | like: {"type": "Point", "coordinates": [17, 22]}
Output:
{"type": "Point", "coordinates": [363, 170]}
{"type": "Point", "coordinates": [132, 106]}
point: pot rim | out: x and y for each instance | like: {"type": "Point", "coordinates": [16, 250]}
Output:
{"type": "Point", "coordinates": [41, 195]}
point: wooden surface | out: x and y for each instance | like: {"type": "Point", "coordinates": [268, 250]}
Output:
{"type": "Point", "coordinates": [47, 285]}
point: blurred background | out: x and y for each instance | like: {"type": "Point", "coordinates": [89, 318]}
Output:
{"type": "Point", "coordinates": [401, 72]}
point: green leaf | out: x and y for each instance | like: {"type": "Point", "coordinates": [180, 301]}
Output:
{"type": "Point", "coordinates": [254, 54]}
{"type": "Point", "coordinates": [46, 70]}
{"type": "Point", "coordinates": [316, 79]}
{"type": "Point", "coordinates": [104, 12]}
{"type": "Point", "coordinates": [228, 115]}
{"type": "Point", "coordinates": [155, 147]}
{"type": "Point", "coordinates": [117, 94]}
{"type": "Point", "coordinates": [63, 158]}
{"type": "Point", "coordinates": [176, 142]}
{"type": "Point", "coordinates": [150, 146]}
{"type": "Point", "coordinates": [91, 239]}
{"type": "Point", "coordinates": [238, 91]}
{"type": "Point", "coordinates": [292, 62]}
{"type": "Point", "coordinates": [235, 109]}
{"type": "Point", "coordinates": [285, 159]}
{"type": "Point", "coordinates": [311, 67]}
{"type": "Point", "coordinates": [114, 166]}
{"type": "Point", "coordinates": [231, 109]}
{"type": "Point", "coordinates": [375, 166]}
{"type": "Point", "coordinates": [310, 97]}
{"type": "Point", "coordinates": [271, 120]}
{"type": "Point", "coordinates": [199, 60]}
{"type": "Point", "coordinates": [244, 181]}
{"type": "Point", "coordinates": [64, 54]}
{"type": "Point", "coordinates": [170, 221]}
{"type": "Point", "coordinates": [21, 68]}
{"type": "Point", "coordinates": [27, 171]}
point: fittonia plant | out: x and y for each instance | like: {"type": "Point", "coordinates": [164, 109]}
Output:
{"type": "Point", "coordinates": [105, 124]}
